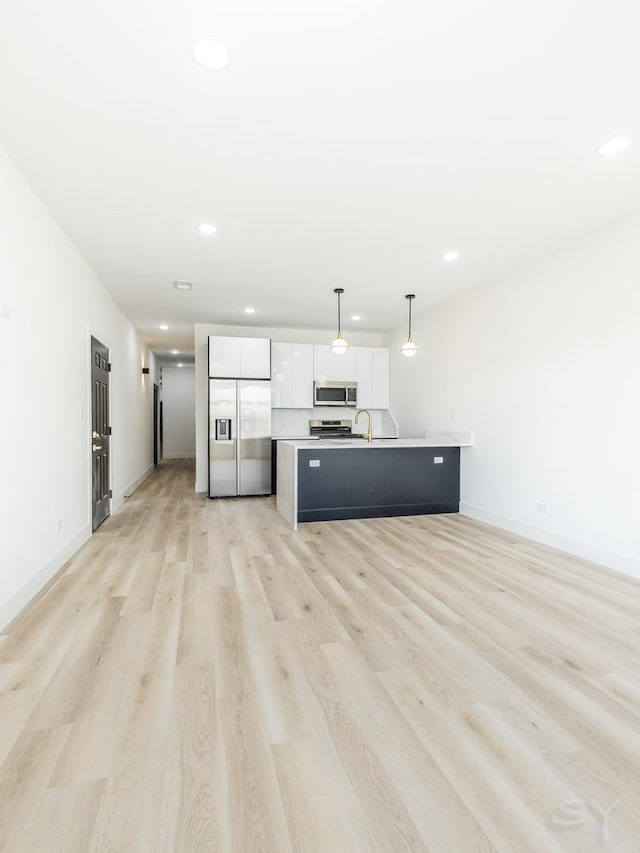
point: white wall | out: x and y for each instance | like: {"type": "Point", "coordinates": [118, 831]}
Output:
{"type": "Point", "coordinates": [544, 368]}
{"type": "Point", "coordinates": [178, 412]}
{"type": "Point", "coordinates": [201, 336]}
{"type": "Point", "coordinates": [55, 303]}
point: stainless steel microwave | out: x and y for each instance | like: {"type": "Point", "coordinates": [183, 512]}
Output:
{"type": "Point", "coordinates": [335, 393]}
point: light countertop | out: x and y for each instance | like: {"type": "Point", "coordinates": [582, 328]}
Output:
{"type": "Point", "coordinates": [293, 438]}
{"type": "Point", "coordinates": [360, 443]}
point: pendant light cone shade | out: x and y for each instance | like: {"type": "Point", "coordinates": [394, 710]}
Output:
{"type": "Point", "coordinates": [409, 347]}
{"type": "Point", "coordinates": [339, 345]}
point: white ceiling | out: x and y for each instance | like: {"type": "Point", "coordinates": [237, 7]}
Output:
{"type": "Point", "coordinates": [348, 144]}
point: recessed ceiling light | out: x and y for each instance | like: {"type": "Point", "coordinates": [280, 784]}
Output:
{"type": "Point", "coordinates": [249, 310]}
{"type": "Point", "coordinates": [164, 327]}
{"type": "Point", "coordinates": [356, 317]}
{"type": "Point", "coordinates": [180, 364]}
{"type": "Point", "coordinates": [175, 352]}
{"type": "Point", "coordinates": [614, 146]}
{"type": "Point", "coordinates": [207, 228]}
{"type": "Point", "coordinates": [210, 54]}
{"type": "Point", "coordinates": [450, 257]}
{"type": "Point", "coordinates": [183, 285]}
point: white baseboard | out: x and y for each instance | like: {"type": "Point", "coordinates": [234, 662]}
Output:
{"type": "Point", "coordinates": [25, 594]}
{"type": "Point", "coordinates": [187, 455]}
{"type": "Point", "coordinates": [118, 501]}
{"type": "Point", "coordinates": [610, 559]}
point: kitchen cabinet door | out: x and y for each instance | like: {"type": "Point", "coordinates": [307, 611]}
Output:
{"type": "Point", "coordinates": [301, 362]}
{"type": "Point", "coordinates": [255, 358]}
{"type": "Point", "coordinates": [239, 358]}
{"type": "Point", "coordinates": [324, 363]}
{"type": "Point", "coordinates": [224, 357]}
{"type": "Point", "coordinates": [345, 369]}
{"type": "Point", "coordinates": [291, 376]}
{"type": "Point", "coordinates": [281, 376]}
{"type": "Point", "coordinates": [364, 376]}
{"type": "Point", "coordinates": [329, 367]}
{"type": "Point", "coordinates": [380, 378]}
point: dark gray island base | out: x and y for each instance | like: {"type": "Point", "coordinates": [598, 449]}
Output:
{"type": "Point", "coordinates": [388, 481]}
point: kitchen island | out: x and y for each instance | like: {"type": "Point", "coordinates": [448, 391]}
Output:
{"type": "Point", "coordinates": [353, 478]}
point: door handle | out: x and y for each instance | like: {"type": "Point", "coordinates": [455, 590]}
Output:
{"type": "Point", "coordinates": [96, 447]}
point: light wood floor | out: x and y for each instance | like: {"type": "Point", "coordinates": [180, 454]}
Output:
{"type": "Point", "coordinates": [202, 678]}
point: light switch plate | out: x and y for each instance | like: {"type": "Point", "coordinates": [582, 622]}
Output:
{"type": "Point", "coordinates": [314, 463]}
{"type": "Point", "coordinates": [5, 312]}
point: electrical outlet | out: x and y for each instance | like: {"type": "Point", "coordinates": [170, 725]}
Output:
{"type": "Point", "coordinates": [59, 525]}
{"type": "Point", "coordinates": [542, 507]}
{"type": "Point", "coordinates": [314, 463]}
{"type": "Point", "coordinates": [438, 460]}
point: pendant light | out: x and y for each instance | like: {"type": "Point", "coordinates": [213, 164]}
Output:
{"type": "Point", "coordinates": [408, 347]}
{"type": "Point", "coordinates": [339, 345]}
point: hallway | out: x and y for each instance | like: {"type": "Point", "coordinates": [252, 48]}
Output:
{"type": "Point", "coordinates": [199, 677]}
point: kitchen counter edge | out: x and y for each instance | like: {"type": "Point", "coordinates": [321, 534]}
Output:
{"type": "Point", "coordinates": [350, 444]}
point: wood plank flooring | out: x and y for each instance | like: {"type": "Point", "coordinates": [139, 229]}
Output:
{"type": "Point", "coordinates": [202, 679]}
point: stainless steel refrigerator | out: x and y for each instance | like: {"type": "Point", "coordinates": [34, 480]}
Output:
{"type": "Point", "coordinates": [239, 437]}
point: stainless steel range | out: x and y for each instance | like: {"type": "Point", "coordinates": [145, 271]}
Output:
{"type": "Point", "coordinates": [331, 429]}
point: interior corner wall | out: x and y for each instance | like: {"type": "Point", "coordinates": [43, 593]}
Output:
{"type": "Point", "coordinates": [202, 331]}
{"type": "Point", "coordinates": [178, 412]}
{"type": "Point", "coordinates": [543, 367]}
{"type": "Point", "coordinates": [53, 303]}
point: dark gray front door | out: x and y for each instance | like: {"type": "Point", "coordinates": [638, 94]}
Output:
{"type": "Point", "coordinates": [100, 431]}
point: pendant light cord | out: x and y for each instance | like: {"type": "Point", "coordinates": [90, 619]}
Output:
{"type": "Point", "coordinates": [408, 347]}
{"type": "Point", "coordinates": [339, 292]}
{"type": "Point", "coordinates": [410, 297]}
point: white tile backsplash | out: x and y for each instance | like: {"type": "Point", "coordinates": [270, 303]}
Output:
{"type": "Point", "coordinates": [294, 423]}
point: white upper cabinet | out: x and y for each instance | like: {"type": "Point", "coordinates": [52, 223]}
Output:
{"type": "Point", "coordinates": [364, 376]}
{"type": "Point", "coordinates": [346, 369]}
{"type": "Point", "coordinates": [380, 378]}
{"type": "Point", "coordinates": [239, 358]}
{"type": "Point", "coordinates": [224, 357]}
{"type": "Point", "coordinates": [329, 367]}
{"type": "Point", "coordinates": [302, 376]}
{"type": "Point", "coordinates": [292, 376]}
{"type": "Point", "coordinates": [255, 358]}
{"type": "Point", "coordinates": [280, 376]}
{"type": "Point", "coordinates": [323, 363]}
{"type": "Point", "coordinates": [294, 367]}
